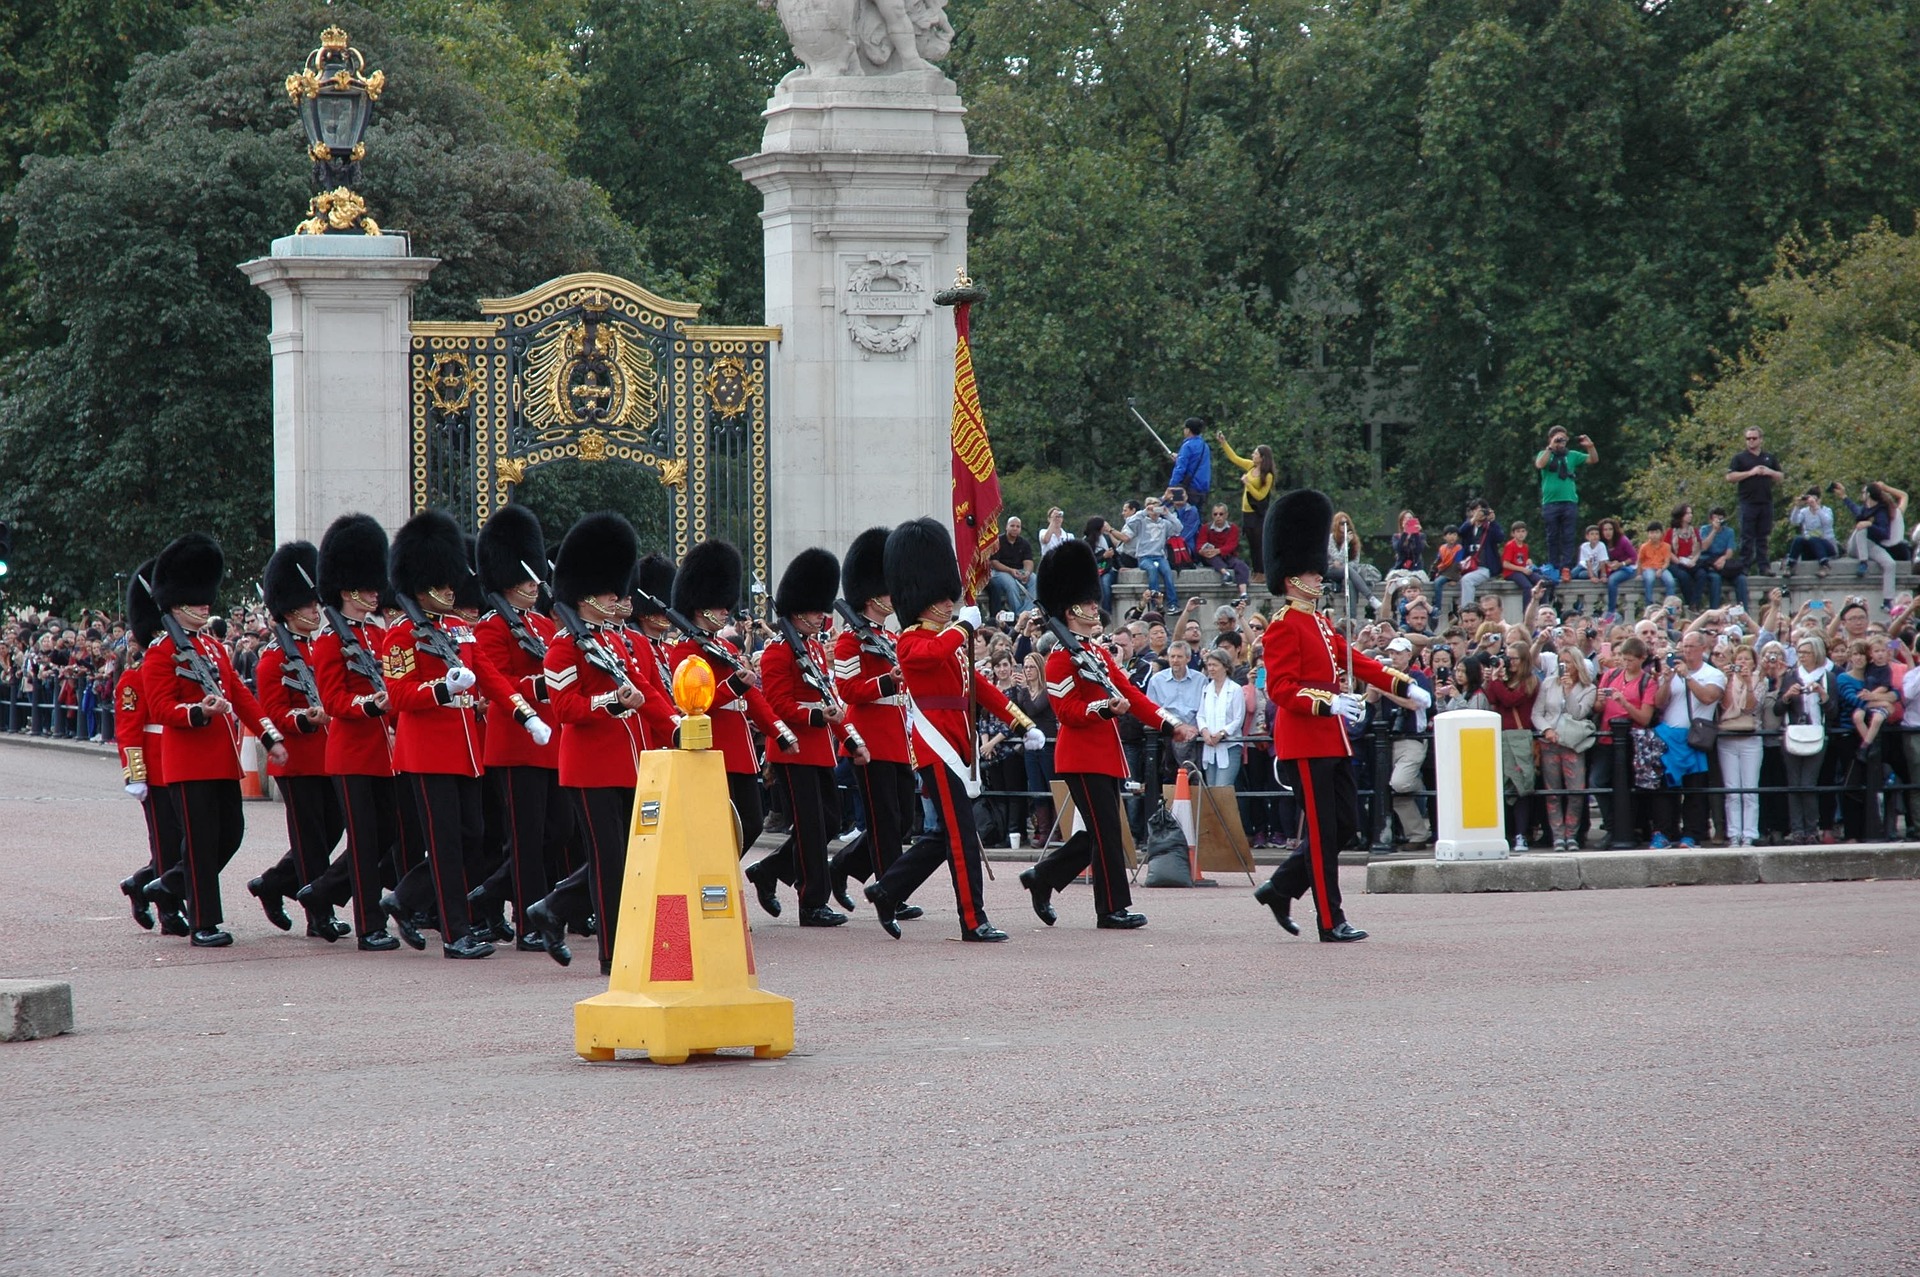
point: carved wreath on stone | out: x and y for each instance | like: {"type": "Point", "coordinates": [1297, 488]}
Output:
{"type": "Point", "coordinates": [907, 301]}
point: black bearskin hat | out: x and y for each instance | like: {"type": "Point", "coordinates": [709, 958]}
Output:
{"type": "Point", "coordinates": [709, 577]}
{"type": "Point", "coordinates": [596, 557]}
{"type": "Point", "coordinates": [429, 551]}
{"type": "Point", "coordinates": [1298, 526]}
{"type": "Point", "coordinates": [1068, 576]}
{"type": "Point", "coordinates": [188, 572]}
{"type": "Point", "coordinates": [353, 557]}
{"type": "Point", "coordinates": [512, 549]}
{"type": "Point", "coordinates": [920, 568]}
{"type": "Point", "coordinates": [467, 593]}
{"type": "Point", "coordinates": [808, 584]}
{"type": "Point", "coordinates": [143, 614]}
{"type": "Point", "coordinates": [652, 585]}
{"type": "Point", "coordinates": [289, 581]}
{"type": "Point", "coordinates": [863, 573]}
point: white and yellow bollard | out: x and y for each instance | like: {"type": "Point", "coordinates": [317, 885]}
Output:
{"type": "Point", "coordinates": [1469, 818]}
{"type": "Point", "coordinates": [683, 979]}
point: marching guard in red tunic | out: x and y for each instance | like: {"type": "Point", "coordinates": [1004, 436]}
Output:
{"type": "Point", "coordinates": [605, 705]}
{"type": "Point", "coordinates": [1089, 692]}
{"type": "Point", "coordinates": [936, 660]}
{"type": "Point", "coordinates": [436, 676]}
{"type": "Point", "coordinates": [137, 735]}
{"type": "Point", "coordinates": [794, 675]}
{"type": "Point", "coordinates": [290, 693]}
{"type": "Point", "coordinates": [706, 590]}
{"type": "Point", "coordinates": [347, 661]}
{"type": "Point", "coordinates": [1307, 662]}
{"type": "Point", "coordinates": [523, 773]}
{"type": "Point", "coordinates": [866, 675]}
{"type": "Point", "coordinates": [202, 703]}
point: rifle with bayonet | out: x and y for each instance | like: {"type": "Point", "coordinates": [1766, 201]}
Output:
{"type": "Point", "coordinates": [187, 659]}
{"type": "Point", "coordinates": [294, 670]}
{"type": "Point", "coordinates": [813, 676]}
{"type": "Point", "coordinates": [1086, 661]}
{"type": "Point", "coordinates": [592, 650]}
{"type": "Point", "coordinates": [873, 639]}
{"type": "Point", "coordinates": [353, 652]}
{"type": "Point", "coordinates": [517, 626]}
{"type": "Point", "coordinates": [429, 637]}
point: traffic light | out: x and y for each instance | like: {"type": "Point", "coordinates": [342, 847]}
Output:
{"type": "Point", "coordinates": [6, 546]}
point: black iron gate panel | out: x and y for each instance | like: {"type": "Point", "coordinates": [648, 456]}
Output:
{"type": "Point", "coordinates": [594, 368]}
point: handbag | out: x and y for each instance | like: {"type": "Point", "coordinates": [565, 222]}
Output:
{"type": "Point", "coordinates": [1701, 732]}
{"type": "Point", "coordinates": [1804, 740]}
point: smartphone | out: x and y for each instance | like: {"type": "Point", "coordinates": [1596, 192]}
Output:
{"type": "Point", "coordinates": [1673, 661]}
{"type": "Point", "coordinates": [1819, 603]}
{"type": "Point", "coordinates": [1003, 618]}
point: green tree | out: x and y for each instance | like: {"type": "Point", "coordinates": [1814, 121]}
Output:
{"type": "Point", "coordinates": [675, 89]}
{"type": "Point", "coordinates": [1832, 377]}
{"type": "Point", "coordinates": [151, 412]}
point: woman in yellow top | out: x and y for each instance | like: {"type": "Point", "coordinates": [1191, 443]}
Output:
{"type": "Point", "coordinates": [1256, 488]}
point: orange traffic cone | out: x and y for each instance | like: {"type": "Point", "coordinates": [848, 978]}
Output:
{"type": "Point", "coordinates": [253, 758]}
{"type": "Point", "coordinates": [1183, 814]}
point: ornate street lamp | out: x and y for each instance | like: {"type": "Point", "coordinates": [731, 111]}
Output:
{"type": "Point", "coordinates": [335, 98]}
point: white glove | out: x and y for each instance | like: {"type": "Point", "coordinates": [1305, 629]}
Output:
{"type": "Point", "coordinates": [1035, 738]}
{"type": "Point", "coordinates": [538, 729]}
{"type": "Point", "coordinates": [969, 615]}
{"type": "Point", "coordinates": [1419, 695]}
{"type": "Point", "coordinates": [460, 678]}
{"type": "Point", "coordinates": [1350, 707]}
{"type": "Point", "coordinates": [138, 790]}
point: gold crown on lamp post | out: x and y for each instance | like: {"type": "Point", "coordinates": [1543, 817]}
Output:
{"type": "Point", "coordinates": [333, 38]}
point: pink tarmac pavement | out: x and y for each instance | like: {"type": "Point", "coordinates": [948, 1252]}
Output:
{"type": "Point", "coordinates": [1692, 1080]}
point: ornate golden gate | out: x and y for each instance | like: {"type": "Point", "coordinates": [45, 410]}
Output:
{"type": "Point", "coordinates": [595, 368]}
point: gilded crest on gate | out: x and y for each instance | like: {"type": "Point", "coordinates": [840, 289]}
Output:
{"type": "Point", "coordinates": [451, 381]}
{"type": "Point", "coordinates": [726, 386]}
{"type": "Point", "coordinates": [594, 373]}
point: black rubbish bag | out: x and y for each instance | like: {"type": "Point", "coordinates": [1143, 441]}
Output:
{"type": "Point", "coordinates": [1166, 852]}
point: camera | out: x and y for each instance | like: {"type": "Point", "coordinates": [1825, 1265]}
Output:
{"type": "Point", "coordinates": [1003, 618]}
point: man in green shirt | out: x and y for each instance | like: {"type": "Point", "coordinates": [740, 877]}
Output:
{"type": "Point", "coordinates": [1560, 497]}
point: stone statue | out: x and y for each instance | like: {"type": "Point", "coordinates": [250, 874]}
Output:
{"type": "Point", "coordinates": [867, 37]}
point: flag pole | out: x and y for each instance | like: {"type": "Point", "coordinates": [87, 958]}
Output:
{"type": "Point", "coordinates": [976, 480]}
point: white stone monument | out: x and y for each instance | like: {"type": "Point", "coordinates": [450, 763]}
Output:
{"type": "Point", "coordinates": [864, 170]}
{"type": "Point", "coordinates": [342, 307]}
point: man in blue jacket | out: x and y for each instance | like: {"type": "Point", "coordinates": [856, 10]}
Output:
{"type": "Point", "coordinates": [1193, 466]}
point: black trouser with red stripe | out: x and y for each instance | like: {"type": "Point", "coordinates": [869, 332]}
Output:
{"type": "Point", "coordinates": [371, 807]}
{"type": "Point", "coordinates": [955, 842]}
{"type": "Point", "coordinates": [539, 821]}
{"type": "Point", "coordinates": [212, 826]}
{"type": "Point", "coordinates": [604, 818]}
{"type": "Point", "coordinates": [1097, 842]}
{"type": "Point", "coordinates": [314, 824]}
{"type": "Point", "coordinates": [1330, 802]}
{"type": "Point", "coordinates": [813, 805]}
{"type": "Point", "coordinates": [743, 790]}
{"type": "Point", "coordinates": [887, 790]}
{"type": "Point", "coordinates": [162, 813]}
{"type": "Point", "coordinates": [449, 807]}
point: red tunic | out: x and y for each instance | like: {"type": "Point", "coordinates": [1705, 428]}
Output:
{"type": "Point", "coordinates": [1305, 657]}
{"type": "Point", "coordinates": [798, 703]}
{"type": "Point", "coordinates": [659, 716]}
{"type": "Point", "coordinates": [735, 702]}
{"type": "Point", "coordinates": [600, 739]}
{"type": "Point", "coordinates": [306, 743]}
{"type": "Point", "coordinates": [134, 734]}
{"type": "Point", "coordinates": [508, 744]}
{"type": "Point", "coordinates": [934, 664]}
{"type": "Point", "coordinates": [199, 748]}
{"type": "Point", "coordinates": [1089, 739]}
{"type": "Point", "coordinates": [876, 705]}
{"type": "Point", "coordinates": [438, 731]}
{"type": "Point", "coordinates": [360, 738]}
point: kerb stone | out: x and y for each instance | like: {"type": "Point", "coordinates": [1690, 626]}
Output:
{"type": "Point", "coordinates": [32, 1009]}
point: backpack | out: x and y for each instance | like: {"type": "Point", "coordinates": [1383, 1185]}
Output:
{"type": "Point", "coordinates": [1177, 552]}
{"type": "Point", "coordinates": [1165, 852]}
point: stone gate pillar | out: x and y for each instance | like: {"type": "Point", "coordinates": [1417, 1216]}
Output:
{"type": "Point", "coordinates": [342, 305]}
{"type": "Point", "coordinates": [864, 170]}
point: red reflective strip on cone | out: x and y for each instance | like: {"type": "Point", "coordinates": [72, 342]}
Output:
{"type": "Point", "coordinates": [672, 940]}
{"type": "Point", "coordinates": [1316, 853]}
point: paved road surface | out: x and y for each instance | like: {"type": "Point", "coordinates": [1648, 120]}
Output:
{"type": "Point", "coordinates": [1701, 1080]}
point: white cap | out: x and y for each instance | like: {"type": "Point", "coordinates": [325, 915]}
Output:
{"type": "Point", "coordinates": [1401, 644]}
